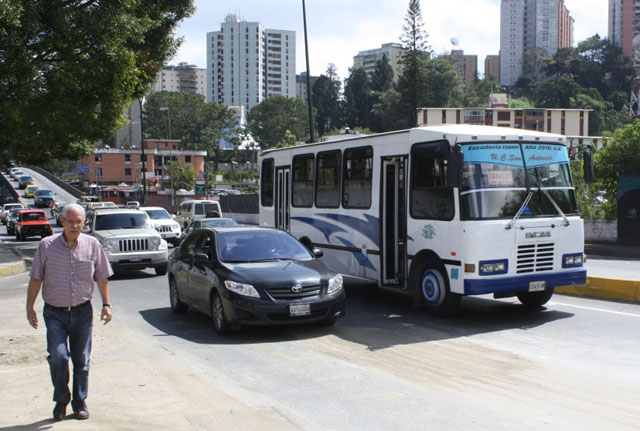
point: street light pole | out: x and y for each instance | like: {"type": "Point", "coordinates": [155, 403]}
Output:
{"type": "Point", "coordinates": [144, 160]}
{"type": "Point", "coordinates": [173, 190]}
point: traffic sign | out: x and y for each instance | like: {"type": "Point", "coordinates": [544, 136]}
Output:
{"type": "Point", "coordinates": [83, 169]}
{"type": "Point", "coordinates": [200, 188]}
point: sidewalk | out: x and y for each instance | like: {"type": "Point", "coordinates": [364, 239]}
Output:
{"type": "Point", "coordinates": [10, 263]}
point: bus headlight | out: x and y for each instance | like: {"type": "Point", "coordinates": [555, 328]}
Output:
{"type": "Point", "coordinates": [493, 267]}
{"type": "Point", "coordinates": [572, 260]}
{"type": "Point", "coordinates": [335, 284]}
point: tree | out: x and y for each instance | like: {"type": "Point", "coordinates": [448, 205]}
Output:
{"type": "Point", "coordinates": [388, 111]}
{"type": "Point", "coordinates": [414, 40]}
{"type": "Point", "coordinates": [70, 68]}
{"type": "Point", "coordinates": [382, 77]}
{"type": "Point", "coordinates": [358, 102]}
{"type": "Point", "coordinates": [556, 93]}
{"type": "Point", "coordinates": [277, 120]}
{"type": "Point", "coordinates": [326, 91]}
{"type": "Point", "coordinates": [442, 84]}
{"type": "Point", "coordinates": [183, 174]}
{"type": "Point", "coordinates": [478, 94]}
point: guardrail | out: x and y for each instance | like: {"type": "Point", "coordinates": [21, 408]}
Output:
{"type": "Point", "coordinates": [7, 193]}
{"type": "Point", "coordinates": [67, 187]}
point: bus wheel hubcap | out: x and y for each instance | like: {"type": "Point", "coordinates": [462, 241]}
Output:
{"type": "Point", "coordinates": [432, 287]}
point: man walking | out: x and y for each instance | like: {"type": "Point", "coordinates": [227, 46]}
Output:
{"type": "Point", "coordinates": [66, 266]}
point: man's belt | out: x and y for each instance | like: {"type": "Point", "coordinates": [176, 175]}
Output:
{"type": "Point", "coordinates": [70, 307]}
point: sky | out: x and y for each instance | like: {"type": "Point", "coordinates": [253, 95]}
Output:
{"type": "Point", "coordinates": [338, 29]}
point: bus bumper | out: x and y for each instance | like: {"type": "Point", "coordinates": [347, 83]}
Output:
{"type": "Point", "coordinates": [522, 283]}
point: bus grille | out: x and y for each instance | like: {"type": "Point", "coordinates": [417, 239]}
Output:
{"type": "Point", "coordinates": [535, 257]}
{"type": "Point", "coordinates": [134, 244]}
{"type": "Point", "coordinates": [286, 293]}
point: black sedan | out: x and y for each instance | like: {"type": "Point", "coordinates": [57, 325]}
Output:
{"type": "Point", "coordinates": [244, 275]}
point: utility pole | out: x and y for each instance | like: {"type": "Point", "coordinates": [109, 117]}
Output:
{"type": "Point", "coordinates": [144, 159]}
{"type": "Point", "coordinates": [306, 52]}
{"type": "Point", "coordinates": [173, 189]}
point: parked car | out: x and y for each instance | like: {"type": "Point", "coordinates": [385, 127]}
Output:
{"type": "Point", "coordinates": [24, 181]}
{"type": "Point", "coordinates": [247, 275]}
{"type": "Point", "coordinates": [208, 222]}
{"type": "Point", "coordinates": [44, 198]}
{"type": "Point", "coordinates": [128, 238]}
{"type": "Point", "coordinates": [163, 222]}
{"type": "Point", "coordinates": [191, 210]}
{"type": "Point", "coordinates": [6, 211]}
{"type": "Point", "coordinates": [30, 191]}
{"type": "Point", "coordinates": [32, 223]}
{"type": "Point", "coordinates": [133, 205]}
{"type": "Point", "coordinates": [11, 221]}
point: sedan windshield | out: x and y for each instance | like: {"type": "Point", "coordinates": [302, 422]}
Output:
{"type": "Point", "coordinates": [159, 214]}
{"type": "Point", "coordinates": [254, 246]}
{"type": "Point", "coordinates": [123, 221]}
{"type": "Point", "coordinates": [496, 183]}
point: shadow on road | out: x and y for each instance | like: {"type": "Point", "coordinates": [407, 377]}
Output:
{"type": "Point", "coordinates": [375, 318]}
{"type": "Point", "coordinates": [44, 424]}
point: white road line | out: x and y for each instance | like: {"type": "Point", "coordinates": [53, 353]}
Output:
{"type": "Point", "coordinates": [594, 309]}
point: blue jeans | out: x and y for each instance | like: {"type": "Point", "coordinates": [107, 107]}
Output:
{"type": "Point", "coordinates": [74, 326]}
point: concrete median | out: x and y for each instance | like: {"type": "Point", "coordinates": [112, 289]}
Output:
{"type": "Point", "coordinates": [605, 288]}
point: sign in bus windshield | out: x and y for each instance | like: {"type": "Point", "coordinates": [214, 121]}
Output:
{"type": "Point", "coordinates": [511, 155]}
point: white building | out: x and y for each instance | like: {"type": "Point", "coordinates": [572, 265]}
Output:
{"type": "Point", "coordinates": [183, 77]}
{"type": "Point", "coordinates": [529, 29]}
{"type": "Point", "coordinates": [247, 63]}
{"type": "Point", "coordinates": [367, 59]}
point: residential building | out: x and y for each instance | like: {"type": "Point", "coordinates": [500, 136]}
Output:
{"type": "Point", "coordinates": [529, 30]}
{"type": "Point", "coordinates": [367, 59]}
{"type": "Point", "coordinates": [113, 166]}
{"type": "Point", "coordinates": [247, 63]}
{"type": "Point", "coordinates": [183, 77]}
{"type": "Point", "coordinates": [492, 66]}
{"type": "Point", "coordinates": [573, 123]}
{"type": "Point", "coordinates": [466, 65]}
{"type": "Point", "coordinates": [624, 17]}
{"type": "Point", "coordinates": [301, 85]}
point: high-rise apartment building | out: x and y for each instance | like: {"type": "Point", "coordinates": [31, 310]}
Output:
{"type": "Point", "coordinates": [492, 66]}
{"type": "Point", "coordinates": [466, 65]}
{"type": "Point", "coordinates": [247, 63]}
{"type": "Point", "coordinates": [183, 77]}
{"type": "Point", "coordinates": [624, 22]}
{"type": "Point", "coordinates": [529, 30]}
{"type": "Point", "coordinates": [367, 59]}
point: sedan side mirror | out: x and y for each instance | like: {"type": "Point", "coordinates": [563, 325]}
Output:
{"type": "Point", "coordinates": [317, 252]}
{"type": "Point", "coordinates": [201, 258]}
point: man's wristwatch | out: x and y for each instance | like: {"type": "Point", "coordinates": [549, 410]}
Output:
{"type": "Point", "coordinates": [106, 305]}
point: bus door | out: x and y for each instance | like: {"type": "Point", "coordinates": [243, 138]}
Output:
{"type": "Point", "coordinates": [283, 197]}
{"type": "Point", "coordinates": [393, 216]}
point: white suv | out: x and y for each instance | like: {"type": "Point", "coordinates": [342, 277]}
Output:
{"type": "Point", "coordinates": [128, 238]}
{"type": "Point", "coordinates": [163, 222]}
{"type": "Point", "coordinates": [191, 210]}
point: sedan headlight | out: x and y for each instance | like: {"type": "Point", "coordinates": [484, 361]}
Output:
{"type": "Point", "coordinates": [111, 245]}
{"type": "Point", "coordinates": [242, 289]}
{"type": "Point", "coordinates": [335, 284]}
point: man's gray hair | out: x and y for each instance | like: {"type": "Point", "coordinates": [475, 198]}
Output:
{"type": "Point", "coordinates": [70, 207]}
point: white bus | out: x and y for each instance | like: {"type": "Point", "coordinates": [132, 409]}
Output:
{"type": "Point", "coordinates": [434, 212]}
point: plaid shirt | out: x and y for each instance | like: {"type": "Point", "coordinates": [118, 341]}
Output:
{"type": "Point", "coordinates": [68, 273]}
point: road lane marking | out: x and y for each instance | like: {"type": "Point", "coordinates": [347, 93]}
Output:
{"type": "Point", "coordinates": [622, 313]}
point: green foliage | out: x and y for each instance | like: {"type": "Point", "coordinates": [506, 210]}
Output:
{"type": "Point", "coordinates": [183, 174]}
{"type": "Point", "coordinates": [69, 69]}
{"type": "Point", "coordinates": [478, 95]}
{"type": "Point", "coordinates": [358, 100]}
{"type": "Point", "coordinates": [278, 121]}
{"type": "Point", "coordinates": [382, 77]}
{"type": "Point", "coordinates": [522, 103]}
{"type": "Point", "coordinates": [325, 95]}
{"type": "Point", "coordinates": [386, 110]}
{"type": "Point", "coordinates": [556, 93]}
{"type": "Point", "coordinates": [442, 84]}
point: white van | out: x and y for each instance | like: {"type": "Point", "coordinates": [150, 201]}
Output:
{"type": "Point", "coordinates": [191, 210]}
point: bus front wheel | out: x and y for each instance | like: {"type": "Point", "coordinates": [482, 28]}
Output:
{"type": "Point", "coordinates": [535, 299]}
{"type": "Point", "coordinates": [433, 290]}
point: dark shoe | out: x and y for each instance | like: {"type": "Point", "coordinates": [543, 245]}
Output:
{"type": "Point", "coordinates": [59, 411]}
{"type": "Point", "coordinates": [81, 414]}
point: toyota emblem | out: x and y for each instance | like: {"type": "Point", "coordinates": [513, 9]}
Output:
{"type": "Point", "coordinates": [296, 288]}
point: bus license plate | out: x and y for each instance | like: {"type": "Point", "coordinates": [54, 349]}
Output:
{"type": "Point", "coordinates": [299, 310]}
{"type": "Point", "coordinates": [537, 286]}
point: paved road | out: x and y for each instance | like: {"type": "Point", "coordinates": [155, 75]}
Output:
{"type": "Point", "coordinates": [384, 366]}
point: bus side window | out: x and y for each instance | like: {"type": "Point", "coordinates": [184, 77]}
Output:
{"type": "Point", "coordinates": [431, 198]}
{"type": "Point", "coordinates": [266, 182]}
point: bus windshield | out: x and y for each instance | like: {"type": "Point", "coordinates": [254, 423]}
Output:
{"type": "Point", "coordinates": [496, 185]}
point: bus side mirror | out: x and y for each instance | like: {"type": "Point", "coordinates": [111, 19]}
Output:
{"type": "Point", "coordinates": [454, 167]}
{"type": "Point", "coordinates": [587, 159]}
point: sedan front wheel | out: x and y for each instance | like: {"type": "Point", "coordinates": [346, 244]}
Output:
{"type": "Point", "coordinates": [220, 323]}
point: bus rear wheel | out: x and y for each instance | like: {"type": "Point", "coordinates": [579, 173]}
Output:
{"type": "Point", "coordinates": [433, 290]}
{"type": "Point", "coordinates": [535, 299]}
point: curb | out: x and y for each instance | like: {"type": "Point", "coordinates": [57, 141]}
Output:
{"type": "Point", "coordinates": [12, 269]}
{"type": "Point", "coordinates": [605, 288]}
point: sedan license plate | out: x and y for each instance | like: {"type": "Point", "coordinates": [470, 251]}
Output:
{"type": "Point", "coordinates": [299, 310]}
{"type": "Point", "coordinates": [537, 286]}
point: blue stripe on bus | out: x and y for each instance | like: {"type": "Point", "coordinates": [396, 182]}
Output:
{"type": "Point", "coordinates": [370, 227]}
{"type": "Point", "coordinates": [326, 228]}
{"type": "Point", "coordinates": [360, 257]}
{"type": "Point", "coordinates": [521, 283]}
